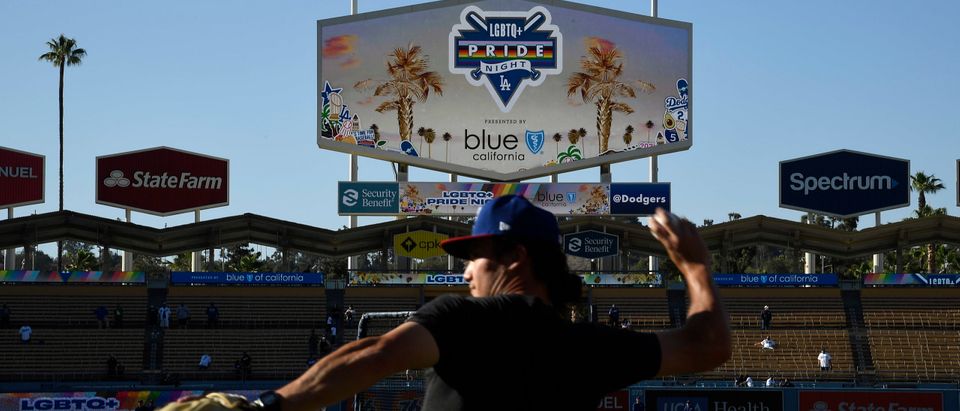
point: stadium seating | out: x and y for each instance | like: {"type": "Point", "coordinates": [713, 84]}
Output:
{"type": "Point", "coordinates": [253, 307]}
{"type": "Point", "coordinates": [646, 308]}
{"type": "Point", "coordinates": [66, 343]}
{"type": "Point", "coordinates": [914, 333]}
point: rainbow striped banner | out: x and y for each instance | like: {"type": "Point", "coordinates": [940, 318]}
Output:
{"type": "Point", "coordinates": [115, 277]}
{"type": "Point", "coordinates": [467, 198]}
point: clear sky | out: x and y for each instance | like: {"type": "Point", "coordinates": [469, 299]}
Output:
{"type": "Point", "coordinates": [237, 79]}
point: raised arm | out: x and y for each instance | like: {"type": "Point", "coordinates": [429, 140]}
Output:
{"type": "Point", "coordinates": [360, 364]}
{"type": "Point", "coordinates": [704, 342]}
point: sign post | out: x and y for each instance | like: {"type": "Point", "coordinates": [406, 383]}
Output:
{"type": "Point", "coordinates": [21, 183]}
{"type": "Point", "coordinates": [162, 181]}
{"type": "Point", "coordinates": [844, 184]}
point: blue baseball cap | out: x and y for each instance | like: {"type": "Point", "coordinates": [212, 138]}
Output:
{"type": "Point", "coordinates": [507, 216]}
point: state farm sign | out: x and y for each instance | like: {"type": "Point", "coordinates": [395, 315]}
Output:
{"type": "Point", "coordinates": [870, 401]}
{"type": "Point", "coordinates": [21, 178]}
{"type": "Point", "coordinates": [162, 181]}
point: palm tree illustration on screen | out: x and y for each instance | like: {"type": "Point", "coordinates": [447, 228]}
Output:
{"type": "Point", "coordinates": [410, 82]}
{"type": "Point", "coordinates": [599, 82]}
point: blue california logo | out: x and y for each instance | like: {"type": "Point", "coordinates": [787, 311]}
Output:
{"type": "Point", "coordinates": [534, 141]}
{"type": "Point", "coordinates": [505, 51]}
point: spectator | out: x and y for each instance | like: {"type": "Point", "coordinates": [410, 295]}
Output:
{"type": "Point", "coordinates": [786, 383]}
{"type": "Point", "coordinates": [205, 361]}
{"type": "Point", "coordinates": [748, 382]}
{"type": "Point", "coordinates": [141, 406]}
{"type": "Point", "coordinates": [151, 406]}
{"type": "Point", "coordinates": [4, 316]}
{"type": "Point", "coordinates": [325, 346]}
{"type": "Point", "coordinates": [739, 380]}
{"type": "Point", "coordinates": [333, 335]}
{"type": "Point", "coordinates": [118, 317]}
{"type": "Point", "coordinates": [25, 332]}
{"type": "Point", "coordinates": [153, 314]}
{"type": "Point", "coordinates": [101, 313]}
{"type": "Point", "coordinates": [112, 366]}
{"type": "Point", "coordinates": [348, 315]}
{"type": "Point", "coordinates": [183, 315]}
{"type": "Point", "coordinates": [625, 324]}
{"type": "Point", "coordinates": [771, 382]}
{"type": "Point", "coordinates": [246, 365]}
{"type": "Point", "coordinates": [614, 315]}
{"type": "Point", "coordinates": [313, 343]}
{"type": "Point", "coordinates": [163, 315]}
{"type": "Point", "coordinates": [824, 359]}
{"type": "Point", "coordinates": [638, 405]}
{"type": "Point", "coordinates": [767, 344]}
{"type": "Point", "coordinates": [766, 316]}
{"type": "Point", "coordinates": [213, 316]}
{"type": "Point", "coordinates": [688, 406]}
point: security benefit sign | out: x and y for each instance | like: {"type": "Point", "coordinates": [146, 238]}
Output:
{"type": "Point", "coordinates": [870, 400]}
{"type": "Point", "coordinates": [591, 244]}
{"type": "Point", "coordinates": [162, 181]}
{"type": "Point", "coordinates": [844, 183]}
{"type": "Point", "coordinates": [21, 178]}
{"type": "Point", "coordinates": [716, 400]}
{"type": "Point", "coordinates": [418, 244]}
{"type": "Point", "coordinates": [367, 198]}
{"type": "Point", "coordinates": [504, 90]}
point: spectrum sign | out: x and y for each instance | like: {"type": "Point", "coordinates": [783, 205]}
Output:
{"type": "Point", "coordinates": [844, 183]}
{"type": "Point", "coordinates": [21, 178]}
{"type": "Point", "coordinates": [162, 181]}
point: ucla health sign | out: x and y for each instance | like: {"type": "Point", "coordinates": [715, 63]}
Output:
{"type": "Point", "coordinates": [367, 198]}
{"type": "Point", "coordinates": [844, 183]}
{"type": "Point", "coordinates": [776, 280]}
{"type": "Point", "coordinates": [639, 198]}
{"type": "Point", "coordinates": [591, 244]}
{"type": "Point", "coordinates": [186, 277]}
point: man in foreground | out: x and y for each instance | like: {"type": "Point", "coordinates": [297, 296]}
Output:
{"type": "Point", "coordinates": [520, 285]}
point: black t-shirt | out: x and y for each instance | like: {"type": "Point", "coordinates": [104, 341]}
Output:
{"type": "Point", "coordinates": [515, 352]}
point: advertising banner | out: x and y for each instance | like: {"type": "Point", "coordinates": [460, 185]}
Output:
{"type": "Point", "coordinates": [712, 400]}
{"type": "Point", "coordinates": [844, 183]}
{"type": "Point", "coordinates": [776, 280]}
{"type": "Point", "coordinates": [187, 277]}
{"type": "Point", "coordinates": [419, 244]}
{"type": "Point", "coordinates": [21, 178]}
{"type": "Point", "coordinates": [114, 277]}
{"type": "Point", "coordinates": [926, 280]}
{"type": "Point", "coordinates": [591, 244]}
{"type": "Point", "coordinates": [465, 199]}
{"type": "Point", "coordinates": [615, 401]}
{"type": "Point", "coordinates": [621, 280]}
{"type": "Point", "coordinates": [506, 90]}
{"type": "Point", "coordinates": [162, 181]}
{"type": "Point", "coordinates": [639, 198]}
{"type": "Point", "coordinates": [870, 400]}
{"type": "Point", "coordinates": [99, 400]}
{"type": "Point", "coordinates": [368, 279]}
{"type": "Point", "coordinates": [367, 198]}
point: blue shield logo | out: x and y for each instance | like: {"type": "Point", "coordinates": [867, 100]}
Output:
{"type": "Point", "coordinates": [505, 51]}
{"type": "Point", "coordinates": [249, 278]}
{"type": "Point", "coordinates": [571, 196]}
{"type": "Point", "coordinates": [534, 141]}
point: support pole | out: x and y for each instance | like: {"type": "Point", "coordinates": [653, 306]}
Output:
{"type": "Point", "coordinates": [878, 257]}
{"type": "Point", "coordinates": [653, 263]}
{"type": "Point", "coordinates": [10, 258]}
{"type": "Point", "coordinates": [195, 256]}
{"type": "Point", "coordinates": [450, 258]}
{"type": "Point", "coordinates": [353, 261]}
{"type": "Point", "coordinates": [127, 260]}
{"type": "Point", "coordinates": [809, 259]}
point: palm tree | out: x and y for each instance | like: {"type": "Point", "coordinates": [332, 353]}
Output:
{"type": "Point", "coordinates": [924, 184]}
{"type": "Point", "coordinates": [63, 52]}
{"type": "Point", "coordinates": [556, 140]}
{"type": "Point", "coordinates": [628, 135]}
{"type": "Point", "coordinates": [376, 132]}
{"type": "Point", "coordinates": [649, 125]}
{"type": "Point", "coordinates": [422, 131]}
{"type": "Point", "coordinates": [582, 133]}
{"type": "Point", "coordinates": [410, 82]}
{"type": "Point", "coordinates": [573, 136]}
{"type": "Point", "coordinates": [446, 143]}
{"type": "Point", "coordinates": [599, 82]}
{"type": "Point", "coordinates": [430, 136]}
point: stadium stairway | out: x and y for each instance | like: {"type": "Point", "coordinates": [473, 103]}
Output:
{"type": "Point", "coordinates": [859, 337]}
